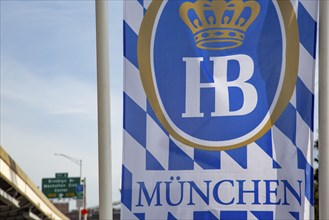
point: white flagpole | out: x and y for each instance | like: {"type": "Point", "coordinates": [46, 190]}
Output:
{"type": "Point", "coordinates": [324, 111]}
{"type": "Point", "coordinates": [103, 98]}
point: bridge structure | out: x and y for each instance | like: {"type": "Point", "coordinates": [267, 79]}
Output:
{"type": "Point", "coordinates": [20, 198]}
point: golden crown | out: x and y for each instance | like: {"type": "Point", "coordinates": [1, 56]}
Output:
{"type": "Point", "coordinates": [217, 24]}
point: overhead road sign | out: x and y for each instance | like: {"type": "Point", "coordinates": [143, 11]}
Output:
{"type": "Point", "coordinates": [58, 188]}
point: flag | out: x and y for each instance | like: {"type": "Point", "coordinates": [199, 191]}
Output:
{"type": "Point", "coordinates": [218, 109]}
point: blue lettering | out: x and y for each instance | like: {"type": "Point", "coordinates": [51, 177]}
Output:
{"type": "Point", "coordinates": [204, 197]}
{"type": "Point", "coordinates": [255, 191]}
{"type": "Point", "coordinates": [147, 196]}
{"type": "Point", "coordinates": [168, 191]}
{"type": "Point", "coordinates": [224, 192]}
{"type": "Point", "coordinates": [286, 186]}
{"type": "Point", "coordinates": [216, 192]}
{"type": "Point", "coordinates": [270, 191]}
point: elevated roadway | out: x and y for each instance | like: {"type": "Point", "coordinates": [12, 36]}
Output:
{"type": "Point", "coordinates": [20, 198]}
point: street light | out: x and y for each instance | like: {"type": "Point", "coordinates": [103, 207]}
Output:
{"type": "Point", "coordinates": [74, 160]}
{"type": "Point", "coordinates": [78, 162]}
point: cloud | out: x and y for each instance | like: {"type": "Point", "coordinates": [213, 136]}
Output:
{"type": "Point", "coordinates": [42, 115]}
{"type": "Point", "coordinates": [56, 95]}
{"type": "Point", "coordinates": [48, 89]}
{"type": "Point", "coordinates": [52, 36]}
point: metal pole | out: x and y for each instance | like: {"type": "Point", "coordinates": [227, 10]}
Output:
{"type": "Point", "coordinates": [78, 162]}
{"type": "Point", "coordinates": [323, 111]}
{"type": "Point", "coordinates": [80, 170]}
{"type": "Point", "coordinates": [103, 97]}
{"type": "Point", "coordinates": [79, 209]}
{"type": "Point", "coordinates": [85, 197]}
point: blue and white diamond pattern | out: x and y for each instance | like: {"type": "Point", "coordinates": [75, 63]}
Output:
{"type": "Point", "coordinates": [149, 148]}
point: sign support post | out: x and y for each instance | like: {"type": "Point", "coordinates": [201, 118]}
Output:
{"type": "Point", "coordinates": [324, 111]}
{"type": "Point", "coordinates": [84, 197]}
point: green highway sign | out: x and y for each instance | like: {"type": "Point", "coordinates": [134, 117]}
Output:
{"type": "Point", "coordinates": [57, 188]}
{"type": "Point", "coordinates": [61, 175]}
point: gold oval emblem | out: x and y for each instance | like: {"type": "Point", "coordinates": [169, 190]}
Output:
{"type": "Point", "coordinates": [290, 57]}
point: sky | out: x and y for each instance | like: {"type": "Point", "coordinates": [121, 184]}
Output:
{"type": "Point", "coordinates": [48, 89]}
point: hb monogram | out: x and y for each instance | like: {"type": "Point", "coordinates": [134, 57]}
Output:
{"type": "Point", "coordinates": [219, 25]}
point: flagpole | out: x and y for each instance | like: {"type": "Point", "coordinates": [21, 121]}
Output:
{"type": "Point", "coordinates": [323, 111]}
{"type": "Point", "coordinates": [103, 98]}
